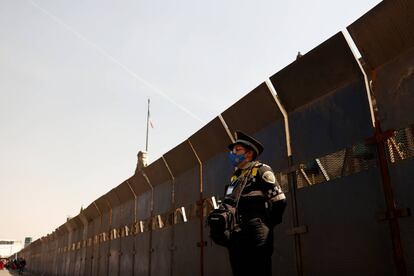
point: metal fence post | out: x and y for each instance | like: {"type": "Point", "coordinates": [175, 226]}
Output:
{"type": "Point", "coordinates": [296, 230]}
{"type": "Point", "coordinates": [201, 214]}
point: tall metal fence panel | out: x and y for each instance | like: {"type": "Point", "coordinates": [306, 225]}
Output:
{"type": "Point", "coordinates": [142, 240]}
{"type": "Point", "coordinates": [328, 108]}
{"type": "Point", "coordinates": [183, 164]}
{"type": "Point", "coordinates": [385, 39]}
{"type": "Point", "coordinates": [127, 222]}
{"type": "Point", "coordinates": [114, 235]}
{"type": "Point", "coordinates": [161, 243]}
{"type": "Point", "coordinates": [104, 230]}
{"type": "Point", "coordinates": [342, 220]}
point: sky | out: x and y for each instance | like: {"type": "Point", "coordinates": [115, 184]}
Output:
{"type": "Point", "coordinates": [75, 77]}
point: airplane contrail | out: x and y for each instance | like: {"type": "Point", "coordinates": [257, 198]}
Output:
{"type": "Point", "coordinates": [114, 60]}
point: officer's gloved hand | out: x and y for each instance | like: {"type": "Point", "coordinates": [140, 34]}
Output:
{"type": "Point", "coordinates": [276, 212]}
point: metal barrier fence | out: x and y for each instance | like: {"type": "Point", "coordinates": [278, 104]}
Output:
{"type": "Point", "coordinates": [348, 182]}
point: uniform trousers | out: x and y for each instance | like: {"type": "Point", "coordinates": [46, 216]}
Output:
{"type": "Point", "coordinates": [251, 249]}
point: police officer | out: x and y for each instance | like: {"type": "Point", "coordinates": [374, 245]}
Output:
{"type": "Point", "coordinates": [260, 207]}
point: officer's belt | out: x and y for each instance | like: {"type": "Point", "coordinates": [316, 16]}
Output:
{"type": "Point", "coordinates": [279, 197]}
{"type": "Point", "coordinates": [260, 193]}
{"type": "Point", "coordinates": [254, 193]}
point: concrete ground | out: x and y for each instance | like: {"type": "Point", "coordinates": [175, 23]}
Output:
{"type": "Point", "coordinates": [5, 272]}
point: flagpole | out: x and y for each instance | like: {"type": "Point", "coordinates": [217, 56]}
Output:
{"type": "Point", "coordinates": [148, 115]}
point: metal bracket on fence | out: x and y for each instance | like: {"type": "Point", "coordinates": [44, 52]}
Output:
{"type": "Point", "coordinates": [383, 136]}
{"type": "Point", "coordinates": [199, 205]}
{"type": "Point", "coordinates": [303, 229]}
{"type": "Point", "coordinates": [199, 244]}
{"type": "Point", "coordinates": [302, 171]}
{"type": "Point", "coordinates": [291, 169]}
{"type": "Point", "coordinates": [393, 214]}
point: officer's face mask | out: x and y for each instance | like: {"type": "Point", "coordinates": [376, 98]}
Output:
{"type": "Point", "coordinates": [236, 159]}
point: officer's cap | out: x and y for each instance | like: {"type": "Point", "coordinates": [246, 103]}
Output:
{"type": "Point", "coordinates": [246, 140]}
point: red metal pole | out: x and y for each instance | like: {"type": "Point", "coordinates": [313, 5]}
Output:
{"type": "Point", "coordinates": [389, 199]}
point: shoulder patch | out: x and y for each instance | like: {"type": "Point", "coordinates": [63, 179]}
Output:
{"type": "Point", "coordinates": [264, 168]}
{"type": "Point", "coordinates": [269, 177]}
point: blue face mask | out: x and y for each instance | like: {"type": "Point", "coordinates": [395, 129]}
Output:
{"type": "Point", "coordinates": [236, 159]}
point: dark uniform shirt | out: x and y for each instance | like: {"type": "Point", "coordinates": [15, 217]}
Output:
{"type": "Point", "coordinates": [260, 190]}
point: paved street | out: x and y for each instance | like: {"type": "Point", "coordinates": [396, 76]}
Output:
{"type": "Point", "coordinates": [5, 272]}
